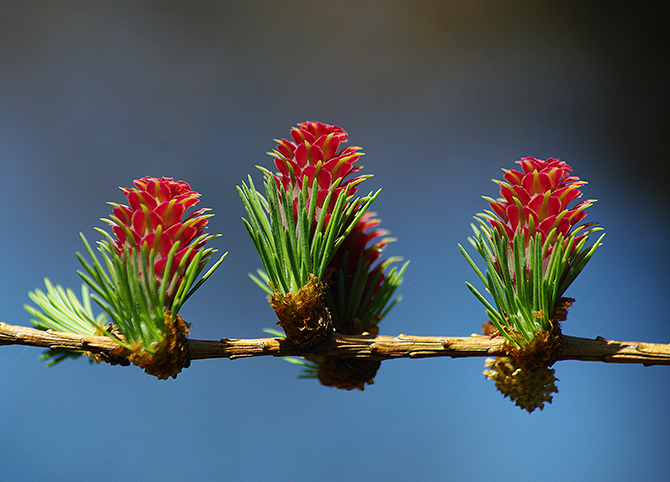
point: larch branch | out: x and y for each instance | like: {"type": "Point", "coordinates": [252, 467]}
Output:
{"type": "Point", "coordinates": [363, 346]}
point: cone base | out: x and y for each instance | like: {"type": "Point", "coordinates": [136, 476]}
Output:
{"type": "Point", "coordinates": [347, 373]}
{"type": "Point", "coordinates": [303, 316]}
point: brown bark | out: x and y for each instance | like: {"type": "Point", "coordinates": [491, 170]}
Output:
{"type": "Point", "coordinates": [360, 346]}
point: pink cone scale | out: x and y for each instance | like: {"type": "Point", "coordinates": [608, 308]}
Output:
{"type": "Point", "coordinates": [536, 200]}
{"type": "Point", "coordinates": [156, 217]}
{"type": "Point", "coordinates": [314, 153]}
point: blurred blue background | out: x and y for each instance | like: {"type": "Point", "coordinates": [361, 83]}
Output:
{"type": "Point", "coordinates": [440, 96]}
